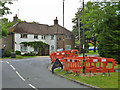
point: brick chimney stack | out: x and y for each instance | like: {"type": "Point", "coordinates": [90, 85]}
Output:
{"type": "Point", "coordinates": [55, 21]}
{"type": "Point", "coordinates": [15, 19]}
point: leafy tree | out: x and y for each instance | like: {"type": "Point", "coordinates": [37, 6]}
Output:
{"type": "Point", "coordinates": [5, 10]}
{"type": "Point", "coordinates": [5, 25]}
{"type": "Point", "coordinates": [103, 26]}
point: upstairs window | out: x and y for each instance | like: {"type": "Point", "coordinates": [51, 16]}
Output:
{"type": "Point", "coordinates": [35, 36]}
{"type": "Point", "coordinates": [52, 37]}
{"type": "Point", "coordinates": [43, 37]}
{"type": "Point", "coordinates": [23, 35]}
{"type": "Point", "coordinates": [59, 38]}
{"type": "Point", "coordinates": [68, 37]}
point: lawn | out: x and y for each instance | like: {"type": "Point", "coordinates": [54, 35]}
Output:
{"type": "Point", "coordinates": [101, 80]}
{"type": "Point", "coordinates": [91, 52]}
{"type": "Point", "coordinates": [19, 57]}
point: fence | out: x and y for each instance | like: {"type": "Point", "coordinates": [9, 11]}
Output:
{"type": "Point", "coordinates": [92, 64]}
{"type": "Point", "coordinates": [72, 63]}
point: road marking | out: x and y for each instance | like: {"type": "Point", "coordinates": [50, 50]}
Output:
{"type": "Point", "coordinates": [32, 86]}
{"type": "Point", "coordinates": [12, 67]}
{"type": "Point", "coordinates": [20, 76]}
{"type": "Point", "coordinates": [7, 62]}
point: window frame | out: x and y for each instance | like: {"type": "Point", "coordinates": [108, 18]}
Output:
{"type": "Point", "coordinates": [67, 37]}
{"type": "Point", "coordinates": [23, 36]}
{"type": "Point", "coordinates": [22, 48]}
{"type": "Point", "coordinates": [35, 36]}
{"type": "Point", "coordinates": [52, 37]}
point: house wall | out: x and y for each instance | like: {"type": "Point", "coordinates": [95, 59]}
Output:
{"type": "Point", "coordinates": [8, 42]}
{"type": "Point", "coordinates": [30, 38]}
{"type": "Point", "coordinates": [66, 42]}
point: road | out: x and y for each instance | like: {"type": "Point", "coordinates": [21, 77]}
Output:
{"type": "Point", "coordinates": [32, 73]}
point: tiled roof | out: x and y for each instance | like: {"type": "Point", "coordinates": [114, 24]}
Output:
{"type": "Point", "coordinates": [34, 28]}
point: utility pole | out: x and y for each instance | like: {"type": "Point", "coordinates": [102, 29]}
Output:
{"type": "Point", "coordinates": [79, 35]}
{"type": "Point", "coordinates": [83, 41]}
{"type": "Point", "coordinates": [63, 25]}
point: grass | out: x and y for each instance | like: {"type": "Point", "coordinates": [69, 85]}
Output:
{"type": "Point", "coordinates": [101, 81]}
{"type": "Point", "coordinates": [91, 53]}
{"type": "Point", "coordinates": [19, 57]}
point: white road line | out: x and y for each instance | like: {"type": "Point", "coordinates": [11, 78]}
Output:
{"type": "Point", "coordinates": [32, 86]}
{"type": "Point", "coordinates": [20, 76]}
{"type": "Point", "coordinates": [12, 67]}
{"type": "Point", "coordinates": [7, 62]}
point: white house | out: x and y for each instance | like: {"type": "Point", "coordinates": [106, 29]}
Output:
{"type": "Point", "coordinates": [29, 32]}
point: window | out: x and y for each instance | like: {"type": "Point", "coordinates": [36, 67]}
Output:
{"type": "Point", "coordinates": [23, 48]}
{"type": "Point", "coordinates": [43, 37]}
{"type": "Point", "coordinates": [67, 47]}
{"type": "Point", "coordinates": [52, 47]}
{"type": "Point", "coordinates": [23, 35]}
{"type": "Point", "coordinates": [35, 49]}
{"type": "Point", "coordinates": [35, 36]}
{"type": "Point", "coordinates": [59, 38]}
{"type": "Point", "coordinates": [52, 37]}
{"type": "Point", "coordinates": [68, 37]}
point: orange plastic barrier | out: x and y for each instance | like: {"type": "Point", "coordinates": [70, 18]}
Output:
{"type": "Point", "coordinates": [92, 64]}
{"type": "Point", "coordinates": [62, 54]}
{"type": "Point", "coordinates": [99, 65]}
{"type": "Point", "coordinates": [73, 64]}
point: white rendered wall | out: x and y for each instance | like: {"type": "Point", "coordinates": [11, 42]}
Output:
{"type": "Point", "coordinates": [30, 38]}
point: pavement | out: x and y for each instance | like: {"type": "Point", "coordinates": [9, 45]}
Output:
{"type": "Point", "coordinates": [33, 73]}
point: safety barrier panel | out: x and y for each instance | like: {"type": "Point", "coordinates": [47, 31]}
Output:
{"type": "Point", "coordinates": [73, 64]}
{"type": "Point", "coordinates": [62, 54]}
{"type": "Point", "coordinates": [99, 65]}
{"type": "Point", "coordinates": [92, 64]}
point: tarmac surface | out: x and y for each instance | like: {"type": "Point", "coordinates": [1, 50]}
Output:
{"type": "Point", "coordinates": [33, 73]}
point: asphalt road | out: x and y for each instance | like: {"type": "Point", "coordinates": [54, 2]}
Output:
{"type": "Point", "coordinates": [32, 73]}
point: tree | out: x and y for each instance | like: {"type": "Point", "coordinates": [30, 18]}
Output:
{"type": "Point", "coordinates": [102, 23]}
{"type": "Point", "coordinates": [5, 10]}
{"type": "Point", "coordinates": [5, 24]}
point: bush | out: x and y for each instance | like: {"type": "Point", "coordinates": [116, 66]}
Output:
{"type": "Point", "coordinates": [18, 52]}
{"type": "Point", "coordinates": [6, 53]}
{"type": "Point", "coordinates": [30, 54]}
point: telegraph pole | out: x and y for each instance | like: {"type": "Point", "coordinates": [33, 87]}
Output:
{"type": "Point", "coordinates": [83, 41]}
{"type": "Point", "coordinates": [63, 25]}
{"type": "Point", "coordinates": [79, 35]}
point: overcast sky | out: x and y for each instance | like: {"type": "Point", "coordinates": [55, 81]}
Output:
{"type": "Point", "coordinates": [45, 11]}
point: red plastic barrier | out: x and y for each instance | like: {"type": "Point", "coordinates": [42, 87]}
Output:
{"type": "Point", "coordinates": [92, 64]}
{"type": "Point", "coordinates": [62, 54]}
{"type": "Point", "coordinates": [73, 64]}
{"type": "Point", "coordinates": [99, 65]}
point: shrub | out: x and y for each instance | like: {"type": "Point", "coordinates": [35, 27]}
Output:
{"type": "Point", "coordinates": [18, 52]}
{"type": "Point", "coordinates": [6, 53]}
{"type": "Point", "coordinates": [30, 54]}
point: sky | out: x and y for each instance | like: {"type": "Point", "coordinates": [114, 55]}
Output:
{"type": "Point", "coordinates": [45, 11]}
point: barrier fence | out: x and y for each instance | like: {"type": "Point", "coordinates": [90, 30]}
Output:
{"type": "Point", "coordinates": [72, 63]}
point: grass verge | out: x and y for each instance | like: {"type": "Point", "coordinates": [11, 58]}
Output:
{"type": "Point", "coordinates": [101, 80]}
{"type": "Point", "coordinates": [19, 57]}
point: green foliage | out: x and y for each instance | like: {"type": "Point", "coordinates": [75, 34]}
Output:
{"type": "Point", "coordinates": [5, 25]}
{"type": "Point", "coordinates": [38, 44]}
{"type": "Point", "coordinates": [18, 52]}
{"type": "Point", "coordinates": [102, 22]}
{"type": "Point", "coordinates": [6, 53]}
{"type": "Point", "coordinates": [5, 10]}
{"type": "Point", "coordinates": [4, 32]}
{"type": "Point", "coordinates": [30, 54]}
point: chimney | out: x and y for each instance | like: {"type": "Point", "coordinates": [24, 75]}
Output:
{"type": "Point", "coordinates": [55, 21]}
{"type": "Point", "coordinates": [15, 19]}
